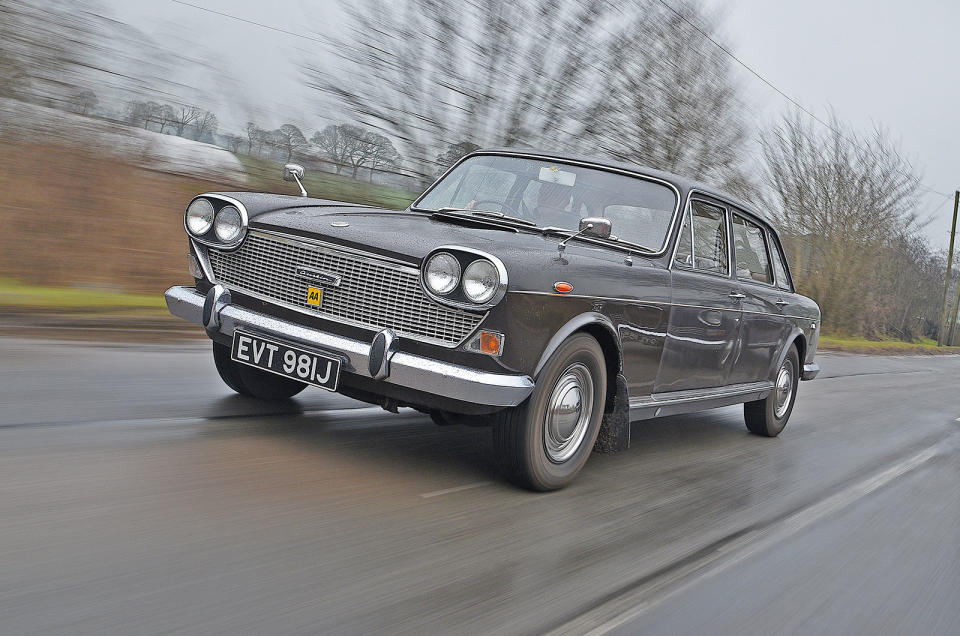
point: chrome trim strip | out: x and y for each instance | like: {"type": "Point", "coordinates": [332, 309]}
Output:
{"type": "Point", "coordinates": [407, 370]}
{"type": "Point", "coordinates": [245, 221]}
{"type": "Point", "coordinates": [203, 257]}
{"type": "Point", "coordinates": [585, 164]}
{"type": "Point", "coordinates": [699, 395]}
{"type": "Point", "coordinates": [638, 301]}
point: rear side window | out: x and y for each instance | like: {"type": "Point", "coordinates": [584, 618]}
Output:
{"type": "Point", "coordinates": [708, 238]}
{"type": "Point", "coordinates": [779, 265]}
{"type": "Point", "coordinates": [750, 244]}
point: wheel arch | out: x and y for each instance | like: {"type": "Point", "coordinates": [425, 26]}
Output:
{"type": "Point", "coordinates": [602, 329]}
{"type": "Point", "coordinates": [798, 338]}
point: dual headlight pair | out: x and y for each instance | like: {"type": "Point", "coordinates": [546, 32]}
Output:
{"type": "Point", "coordinates": [465, 279]}
{"type": "Point", "coordinates": [223, 226]}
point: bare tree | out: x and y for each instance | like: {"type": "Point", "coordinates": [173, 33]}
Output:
{"type": "Point", "coordinates": [184, 116]}
{"type": "Point", "coordinates": [138, 113]}
{"type": "Point", "coordinates": [84, 102]}
{"type": "Point", "coordinates": [333, 145]}
{"type": "Point", "coordinates": [669, 99]}
{"type": "Point", "coordinates": [234, 142]}
{"type": "Point", "coordinates": [206, 125]}
{"type": "Point", "coordinates": [256, 136]}
{"type": "Point", "coordinates": [847, 206]}
{"type": "Point", "coordinates": [383, 154]}
{"type": "Point", "coordinates": [289, 139]}
{"type": "Point", "coordinates": [453, 154]}
{"type": "Point", "coordinates": [527, 72]}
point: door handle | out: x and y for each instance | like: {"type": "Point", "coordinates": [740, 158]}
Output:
{"type": "Point", "coordinates": [780, 303]}
{"type": "Point", "coordinates": [737, 295]}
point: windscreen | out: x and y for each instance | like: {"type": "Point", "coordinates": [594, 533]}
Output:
{"type": "Point", "coordinates": [558, 195]}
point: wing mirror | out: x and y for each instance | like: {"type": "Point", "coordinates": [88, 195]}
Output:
{"type": "Point", "coordinates": [294, 172]}
{"type": "Point", "coordinates": [595, 226]}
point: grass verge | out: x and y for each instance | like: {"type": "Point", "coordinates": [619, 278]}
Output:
{"type": "Point", "coordinates": [15, 295]}
{"type": "Point", "coordinates": [856, 344]}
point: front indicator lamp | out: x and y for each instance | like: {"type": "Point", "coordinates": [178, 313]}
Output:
{"type": "Point", "coordinates": [488, 342]}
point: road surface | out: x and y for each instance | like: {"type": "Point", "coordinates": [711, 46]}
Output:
{"type": "Point", "coordinates": [139, 496]}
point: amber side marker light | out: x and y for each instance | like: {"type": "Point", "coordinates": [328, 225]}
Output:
{"type": "Point", "coordinates": [563, 287]}
{"type": "Point", "coordinates": [490, 342]}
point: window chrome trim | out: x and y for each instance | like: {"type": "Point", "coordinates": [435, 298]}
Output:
{"type": "Point", "coordinates": [728, 225]}
{"type": "Point", "coordinates": [244, 223]}
{"type": "Point", "coordinates": [664, 248]}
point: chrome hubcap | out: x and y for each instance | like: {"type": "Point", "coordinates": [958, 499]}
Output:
{"type": "Point", "coordinates": [783, 391]}
{"type": "Point", "coordinates": [568, 413]}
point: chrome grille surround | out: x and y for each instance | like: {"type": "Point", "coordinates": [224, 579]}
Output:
{"type": "Point", "coordinates": [374, 292]}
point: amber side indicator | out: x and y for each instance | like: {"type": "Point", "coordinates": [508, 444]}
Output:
{"type": "Point", "coordinates": [490, 343]}
{"type": "Point", "coordinates": [563, 287]}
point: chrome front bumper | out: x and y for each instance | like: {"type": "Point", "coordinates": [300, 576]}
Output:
{"type": "Point", "coordinates": [810, 371]}
{"type": "Point", "coordinates": [405, 369]}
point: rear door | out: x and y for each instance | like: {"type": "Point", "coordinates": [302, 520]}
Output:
{"type": "Point", "coordinates": [705, 311]}
{"type": "Point", "coordinates": [764, 328]}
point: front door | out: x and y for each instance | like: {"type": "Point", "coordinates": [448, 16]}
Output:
{"type": "Point", "coordinates": [705, 310]}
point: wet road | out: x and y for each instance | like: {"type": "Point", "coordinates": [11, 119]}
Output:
{"type": "Point", "coordinates": [137, 495]}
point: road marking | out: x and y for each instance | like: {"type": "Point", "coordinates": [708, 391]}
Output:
{"type": "Point", "coordinates": [447, 491]}
{"type": "Point", "coordinates": [630, 605]}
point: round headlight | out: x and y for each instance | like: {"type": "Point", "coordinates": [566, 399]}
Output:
{"type": "Point", "coordinates": [200, 217]}
{"type": "Point", "coordinates": [228, 224]}
{"type": "Point", "coordinates": [480, 281]}
{"type": "Point", "coordinates": [442, 273]}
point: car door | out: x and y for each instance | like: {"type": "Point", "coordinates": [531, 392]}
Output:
{"type": "Point", "coordinates": [763, 328]}
{"type": "Point", "coordinates": [705, 309]}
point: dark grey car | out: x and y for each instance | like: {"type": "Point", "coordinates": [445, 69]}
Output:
{"type": "Point", "coordinates": [552, 298]}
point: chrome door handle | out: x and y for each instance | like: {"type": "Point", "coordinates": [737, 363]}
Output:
{"type": "Point", "coordinates": [781, 303]}
{"type": "Point", "coordinates": [737, 295]}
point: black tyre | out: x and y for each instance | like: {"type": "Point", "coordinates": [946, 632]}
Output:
{"type": "Point", "coordinates": [767, 417]}
{"type": "Point", "coordinates": [544, 442]}
{"type": "Point", "coordinates": [251, 382]}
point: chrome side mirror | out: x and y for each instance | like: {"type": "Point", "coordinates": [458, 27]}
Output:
{"type": "Point", "coordinates": [294, 172]}
{"type": "Point", "coordinates": [595, 226]}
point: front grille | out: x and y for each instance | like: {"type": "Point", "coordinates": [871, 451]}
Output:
{"type": "Point", "coordinates": [373, 293]}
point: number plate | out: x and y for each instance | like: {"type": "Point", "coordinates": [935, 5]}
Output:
{"type": "Point", "coordinates": [314, 296]}
{"type": "Point", "coordinates": [286, 360]}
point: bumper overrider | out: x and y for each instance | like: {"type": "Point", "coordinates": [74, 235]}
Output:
{"type": "Point", "coordinates": [376, 360]}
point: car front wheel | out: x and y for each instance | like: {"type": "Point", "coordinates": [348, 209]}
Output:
{"type": "Point", "coordinates": [251, 382]}
{"type": "Point", "coordinates": [767, 417]}
{"type": "Point", "coordinates": [543, 443]}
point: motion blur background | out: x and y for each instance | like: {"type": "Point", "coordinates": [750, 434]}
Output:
{"type": "Point", "coordinates": [114, 113]}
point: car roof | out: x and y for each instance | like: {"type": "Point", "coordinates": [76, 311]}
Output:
{"type": "Point", "coordinates": [684, 184]}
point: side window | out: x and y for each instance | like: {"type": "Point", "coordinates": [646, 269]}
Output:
{"type": "Point", "coordinates": [779, 265]}
{"type": "Point", "coordinates": [709, 239]}
{"type": "Point", "coordinates": [751, 250]}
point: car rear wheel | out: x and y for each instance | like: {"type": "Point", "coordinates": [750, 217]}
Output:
{"type": "Point", "coordinates": [251, 382]}
{"type": "Point", "coordinates": [767, 417]}
{"type": "Point", "coordinates": [543, 443]}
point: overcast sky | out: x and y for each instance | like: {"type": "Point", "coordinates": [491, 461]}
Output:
{"type": "Point", "coordinates": [880, 61]}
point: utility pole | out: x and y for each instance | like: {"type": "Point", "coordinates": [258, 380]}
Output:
{"type": "Point", "coordinates": [946, 284]}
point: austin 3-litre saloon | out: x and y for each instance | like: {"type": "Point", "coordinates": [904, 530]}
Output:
{"type": "Point", "coordinates": [553, 299]}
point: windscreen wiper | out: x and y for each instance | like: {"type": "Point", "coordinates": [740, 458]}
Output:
{"type": "Point", "coordinates": [493, 214]}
